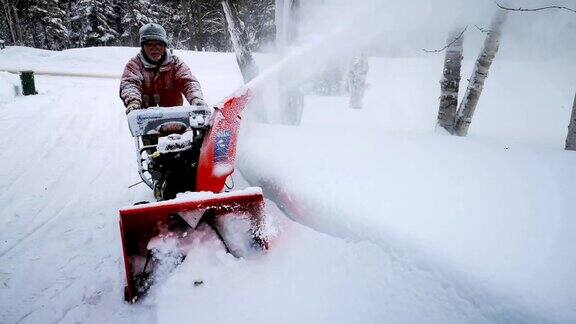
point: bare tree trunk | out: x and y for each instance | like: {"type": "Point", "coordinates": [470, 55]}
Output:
{"type": "Point", "coordinates": [10, 23]}
{"type": "Point", "coordinates": [246, 62]}
{"type": "Point", "coordinates": [281, 33]}
{"type": "Point", "coordinates": [200, 28]}
{"type": "Point", "coordinates": [293, 15]}
{"type": "Point", "coordinates": [243, 54]}
{"type": "Point", "coordinates": [69, 25]}
{"type": "Point", "coordinates": [571, 138]}
{"type": "Point", "coordinates": [291, 99]}
{"type": "Point", "coordinates": [191, 30]}
{"type": "Point", "coordinates": [46, 42]}
{"type": "Point", "coordinates": [450, 83]}
{"type": "Point", "coordinates": [476, 83]}
{"type": "Point", "coordinates": [357, 80]}
{"type": "Point", "coordinates": [17, 26]}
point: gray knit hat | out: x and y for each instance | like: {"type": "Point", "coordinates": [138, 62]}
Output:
{"type": "Point", "coordinates": [152, 31]}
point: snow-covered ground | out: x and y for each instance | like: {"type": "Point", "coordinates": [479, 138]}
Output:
{"type": "Point", "coordinates": [493, 209]}
{"type": "Point", "coordinates": [391, 221]}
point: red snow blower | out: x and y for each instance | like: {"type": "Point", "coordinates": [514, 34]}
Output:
{"type": "Point", "coordinates": [181, 154]}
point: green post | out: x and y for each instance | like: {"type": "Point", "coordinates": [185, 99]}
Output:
{"type": "Point", "coordinates": [28, 86]}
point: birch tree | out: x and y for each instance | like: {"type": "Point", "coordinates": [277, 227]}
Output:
{"type": "Point", "coordinates": [450, 82]}
{"type": "Point", "coordinates": [238, 37]}
{"type": "Point", "coordinates": [357, 80]}
{"type": "Point", "coordinates": [571, 138]}
{"type": "Point", "coordinates": [476, 84]}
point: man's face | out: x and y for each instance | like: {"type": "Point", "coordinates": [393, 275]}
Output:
{"type": "Point", "coordinates": [154, 50]}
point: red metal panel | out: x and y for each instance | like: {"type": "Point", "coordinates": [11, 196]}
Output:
{"type": "Point", "coordinates": [218, 153]}
{"type": "Point", "coordinates": [138, 224]}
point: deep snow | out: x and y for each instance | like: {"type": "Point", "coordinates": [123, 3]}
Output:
{"type": "Point", "coordinates": [378, 243]}
{"type": "Point", "coordinates": [9, 87]}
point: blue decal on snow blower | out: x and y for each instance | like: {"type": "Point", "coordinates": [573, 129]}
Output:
{"type": "Point", "coordinates": [221, 147]}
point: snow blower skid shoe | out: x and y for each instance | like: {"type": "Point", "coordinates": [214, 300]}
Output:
{"type": "Point", "coordinates": [154, 236]}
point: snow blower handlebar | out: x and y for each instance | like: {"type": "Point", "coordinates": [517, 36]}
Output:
{"type": "Point", "coordinates": [149, 121]}
{"type": "Point", "coordinates": [161, 122]}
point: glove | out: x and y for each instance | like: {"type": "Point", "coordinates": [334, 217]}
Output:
{"type": "Point", "coordinates": [202, 113]}
{"type": "Point", "coordinates": [199, 105]}
{"type": "Point", "coordinates": [132, 105]}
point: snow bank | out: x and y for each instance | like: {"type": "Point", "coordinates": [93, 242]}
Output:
{"type": "Point", "coordinates": [495, 207]}
{"type": "Point", "coordinates": [220, 71]}
{"type": "Point", "coordinates": [308, 277]}
{"type": "Point", "coordinates": [9, 87]}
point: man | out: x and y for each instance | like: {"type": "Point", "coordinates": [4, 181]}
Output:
{"type": "Point", "coordinates": [156, 77]}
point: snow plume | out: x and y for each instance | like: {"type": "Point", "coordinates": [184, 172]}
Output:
{"type": "Point", "coordinates": [329, 34]}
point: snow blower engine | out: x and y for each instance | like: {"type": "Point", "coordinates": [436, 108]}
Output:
{"type": "Point", "coordinates": [186, 159]}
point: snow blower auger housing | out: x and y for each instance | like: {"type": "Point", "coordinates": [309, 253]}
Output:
{"type": "Point", "coordinates": [178, 151]}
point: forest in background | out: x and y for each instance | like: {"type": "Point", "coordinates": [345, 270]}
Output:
{"type": "Point", "coordinates": [191, 24]}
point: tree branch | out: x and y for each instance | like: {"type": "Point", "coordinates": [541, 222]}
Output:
{"type": "Point", "coordinates": [449, 44]}
{"type": "Point", "coordinates": [535, 9]}
{"type": "Point", "coordinates": [483, 30]}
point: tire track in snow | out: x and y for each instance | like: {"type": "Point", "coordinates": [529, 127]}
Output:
{"type": "Point", "coordinates": [53, 133]}
{"type": "Point", "coordinates": [88, 186]}
{"type": "Point", "coordinates": [55, 182]}
{"type": "Point", "coordinates": [41, 148]}
{"type": "Point", "coordinates": [74, 133]}
{"type": "Point", "coordinates": [35, 230]}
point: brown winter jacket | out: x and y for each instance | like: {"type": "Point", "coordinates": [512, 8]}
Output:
{"type": "Point", "coordinates": [145, 82]}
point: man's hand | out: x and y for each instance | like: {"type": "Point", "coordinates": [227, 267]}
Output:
{"type": "Point", "coordinates": [202, 113]}
{"type": "Point", "coordinates": [199, 104]}
{"type": "Point", "coordinates": [131, 106]}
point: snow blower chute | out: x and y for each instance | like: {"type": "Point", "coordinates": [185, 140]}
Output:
{"type": "Point", "coordinates": [179, 153]}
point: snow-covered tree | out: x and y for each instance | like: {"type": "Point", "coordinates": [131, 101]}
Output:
{"type": "Point", "coordinates": [7, 25]}
{"type": "Point", "coordinates": [190, 24]}
{"type": "Point", "coordinates": [172, 14]}
{"type": "Point", "coordinates": [93, 23]}
{"type": "Point", "coordinates": [258, 21]}
{"type": "Point", "coordinates": [239, 41]}
{"type": "Point", "coordinates": [207, 28]}
{"type": "Point", "coordinates": [450, 83]}
{"type": "Point", "coordinates": [135, 14]}
{"type": "Point", "coordinates": [48, 19]}
{"type": "Point", "coordinates": [10, 10]}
